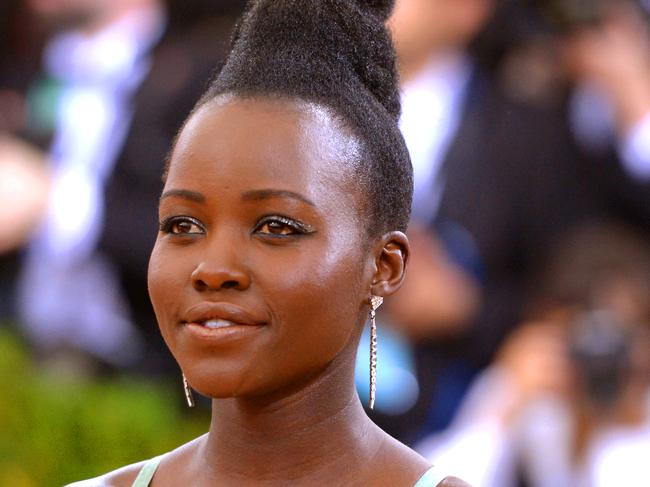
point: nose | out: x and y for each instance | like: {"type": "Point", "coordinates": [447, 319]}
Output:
{"type": "Point", "coordinates": [219, 275]}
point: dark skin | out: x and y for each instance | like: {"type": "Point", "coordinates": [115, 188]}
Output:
{"type": "Point", "coordinates": [263, 228]}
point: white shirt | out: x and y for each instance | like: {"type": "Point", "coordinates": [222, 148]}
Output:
{"type": "Point", "coordinates": [635, 150]}
{"type": "Point", "coordinates": [432, 105]}
{"type": "Point", "coordinates": [592, 122]}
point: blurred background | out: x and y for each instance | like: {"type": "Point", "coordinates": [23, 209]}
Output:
{"type": "Point", "coordinates": [517, 352]}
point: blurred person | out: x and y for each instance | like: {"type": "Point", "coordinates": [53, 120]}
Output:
{"type": "Point", "coordinates": [68, 294]}
{"type": "Point", "coordinates": [591, 61]}
{"type": "Point", "coordinates": [494, 187]}
{"type": "Point", "coordinates": [106, 65]}
{"type": "Point", "coordinates": [567, 401]}
{"type": "Point", "coordinates": [608, 62]}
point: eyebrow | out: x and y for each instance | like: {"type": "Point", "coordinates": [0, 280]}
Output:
{"type": "Point", "coordinates": [253, 195]}
{"type": "Point", "coordinates": [185, 194]}
{"type": "Point", "coordinates": [262, 194]}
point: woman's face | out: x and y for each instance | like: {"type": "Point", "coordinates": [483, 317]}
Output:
{"type": "Point", "coordinates": [260, 275]}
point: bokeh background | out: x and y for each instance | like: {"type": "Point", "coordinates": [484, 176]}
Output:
{"type": "Point", "coordinates": [517, 352]}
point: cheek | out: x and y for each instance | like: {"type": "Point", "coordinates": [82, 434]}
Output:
{"type": "Point", "coordinates": [319, 296]}
{"type": "Point", "coordinates": [165, 279]}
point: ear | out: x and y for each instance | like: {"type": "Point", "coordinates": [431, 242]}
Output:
{"type": "Point", "coordinates": [391, 258]}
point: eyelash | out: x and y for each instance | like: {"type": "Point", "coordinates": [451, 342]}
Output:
{"type": "Point", "coordinates": [167, 225]}
{"type": "Point", "coordinates": [298, 228]}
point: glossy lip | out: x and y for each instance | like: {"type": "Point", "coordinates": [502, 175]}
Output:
{"type": "Point", "coordinates": [205, 311]}
{"type": "Point", "coordinates": [244, 323]}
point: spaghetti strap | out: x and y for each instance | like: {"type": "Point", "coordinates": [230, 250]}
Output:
{"type": "Point", "coordinates": [431, 478]}
{"type": "Point", "coordinates": [147, 472]}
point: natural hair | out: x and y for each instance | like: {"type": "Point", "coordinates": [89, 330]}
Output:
{"type": "Point", "coordinates": [337, 54]}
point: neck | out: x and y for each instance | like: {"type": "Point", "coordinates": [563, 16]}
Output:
{"type": "Point", "coordinates": [317, 432]}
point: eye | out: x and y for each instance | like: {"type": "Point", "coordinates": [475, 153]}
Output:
{"type": "Point", "coordinates": [280, 226]}
{"type": "Point", "coordinates": [181, 225]}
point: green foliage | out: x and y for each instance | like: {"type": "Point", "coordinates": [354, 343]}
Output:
{"type": "Point", "coordinates": [55, 430]}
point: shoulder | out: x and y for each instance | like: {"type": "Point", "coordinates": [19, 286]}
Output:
{"type": "Point", "coordinates": [122, 477]}
{"type": "Point", "coordinates": [396, 464]}
{"type": "Point", "coordinates": [125, 476]}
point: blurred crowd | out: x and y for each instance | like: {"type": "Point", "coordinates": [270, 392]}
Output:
{"type": "Point", "coordinates": [91, 94]}
{"type": "Point", "coordinates": [518, 350]}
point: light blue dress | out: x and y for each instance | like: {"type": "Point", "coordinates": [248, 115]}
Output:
{"type": "Point", "coordinates": [431, 477]}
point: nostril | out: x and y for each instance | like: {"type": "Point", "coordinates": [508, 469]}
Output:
{"type": "Point", "coordinates": [199, 285]}
{"type": "Point", "coordinates": [209, 277]}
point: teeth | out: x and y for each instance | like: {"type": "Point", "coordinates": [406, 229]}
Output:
{"type": "Point", "coordinates": [214, 324]}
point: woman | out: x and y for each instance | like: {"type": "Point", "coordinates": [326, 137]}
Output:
{"type": "Point", "coordinates": [282, 218]}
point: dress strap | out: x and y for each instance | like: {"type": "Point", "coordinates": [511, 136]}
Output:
{"type": "Point", "coordinates": [147, 472]}
{"type": "Point", "coordinates": [431, 478]}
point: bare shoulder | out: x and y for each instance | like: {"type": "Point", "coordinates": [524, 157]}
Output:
{"type": "Point", "coordinates": [453, 482]}
{"type": "Point", "coordinates": [122, 477]}
{"type": "Point", "coordinates": [403, 455]}
{"type": "Point", "coordinates": [407, 464]}
{"type": "Point", "coordinates": [395, 464]}
{"type": "Point", "coordinates": [125, 476]}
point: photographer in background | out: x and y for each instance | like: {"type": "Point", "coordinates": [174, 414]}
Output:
{"type": "Point", "coordinates": [590, 59]}
{"type": "Point", "coordinates": [567, 401]}
{"type": "Point", "coordinates": [609, 62]}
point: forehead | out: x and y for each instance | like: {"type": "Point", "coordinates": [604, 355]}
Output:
{"type": "Point", "coordinates": [263, 142]}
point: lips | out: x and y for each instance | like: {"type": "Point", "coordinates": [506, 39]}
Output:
{"type": "Point", "coordinates": [221, 315]}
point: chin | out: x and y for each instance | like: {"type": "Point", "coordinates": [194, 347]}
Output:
{"type": "Point", "coordinates": [218, 382]}
{"type": "Point", "coordinates": [214, 388]}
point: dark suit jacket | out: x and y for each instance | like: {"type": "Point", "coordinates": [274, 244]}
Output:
{"type": "Point", "coordinates": [514, 185]}
{"type": "Point", "coordinates": [516, 182]}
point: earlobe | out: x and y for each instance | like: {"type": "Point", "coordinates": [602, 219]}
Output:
{"type": "Point", "coordinates": [391, 259]}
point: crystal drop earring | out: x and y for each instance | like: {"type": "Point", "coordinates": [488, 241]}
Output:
{"type": "Point", "coordinates": [188, 393]}
{"type": "Point", "coordinates": [375, 302]}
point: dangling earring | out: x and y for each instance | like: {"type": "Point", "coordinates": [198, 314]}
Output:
{"type": "Point", "coordinates": [188, 393]}
{"type": "Point", "coordinates": [375, 302]}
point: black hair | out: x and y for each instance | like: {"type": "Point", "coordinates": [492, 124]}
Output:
{"type": "Point", "coordinates": [337, 54]}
